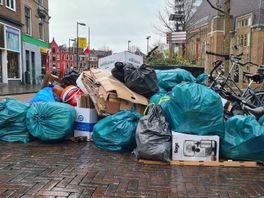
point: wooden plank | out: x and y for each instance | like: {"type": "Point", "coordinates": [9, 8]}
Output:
{"type": "Point", "coordinates": [152, 162]}
{"type": "Point", "coordinates": [228, 163]}
{"type": "Point", "coordinates": [215, 163]}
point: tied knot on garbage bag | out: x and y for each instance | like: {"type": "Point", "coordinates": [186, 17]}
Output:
{"type": "Point", "coordinates": [50, 121]}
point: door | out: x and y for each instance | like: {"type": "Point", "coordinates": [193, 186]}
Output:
{"type": "Point", "coordinates": [33, 69]}
{"type": "Point", "coordinates": [27, 72]}
{"type": "Point", "coordinates": [1, 71]}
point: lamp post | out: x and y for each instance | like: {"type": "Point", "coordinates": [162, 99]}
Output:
{"type": "Point", "coordinates": [89, 45]}
{"type": "Point", "coordinates": [148, 43]}
{"type": "Point", "coordinates": [77, 54]}
{"type": "Point", "coordinates": [128, 42]}
{"type": "Point", "coordinates": [69, 50]}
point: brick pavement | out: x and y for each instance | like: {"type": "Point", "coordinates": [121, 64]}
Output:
{"type": "Point", "coordinates": [71, 170]}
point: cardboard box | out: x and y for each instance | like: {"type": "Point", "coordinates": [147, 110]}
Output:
{"type": "Point", "coordinates": [86, 118]}
{"type": "Point", "coordinates": [84, 123]}
{"type": "Point", "coordinates": [194, 147]}
{"type": "Point", "coordinates": [108, 62]}
{"type": "Point", "coordinates": [110, 95]}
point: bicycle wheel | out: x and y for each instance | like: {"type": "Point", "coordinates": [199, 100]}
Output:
{"type": "Point", "coordinates": [256, 98]}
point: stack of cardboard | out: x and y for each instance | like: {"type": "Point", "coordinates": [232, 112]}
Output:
{"type": "Point", "coordinates": [110, 95]}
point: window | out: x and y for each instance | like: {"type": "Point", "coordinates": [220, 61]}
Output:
{"type": "Point", "coordinates": [40, 2]}
{"type": "Point", "coordinates": [27, 20]}
{"type": "Point", "coordinates": [1, 2]}
{"type": "Point", "coordinates": [41, 28]}
{"type": "Point", "coordinates": [13, 64]}
{"type": "Point", "coordinates": [11, 4]}
{"type": "Point", "coordinates": [243, 40]}
{"type": "Point", "coordinates": [243, 23]}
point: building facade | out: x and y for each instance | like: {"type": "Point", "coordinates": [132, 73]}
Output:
{"type": "Point", "coordinates": [35, 39]}
{"type": "Point", "coordinates": [205, 32]}
{"type": "Point", "coordinates": [63, 59]}
{"type": "Point", "coordinates": [10, 42]}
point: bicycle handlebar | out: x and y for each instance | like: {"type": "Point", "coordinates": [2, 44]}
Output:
{"type": "Point", "coordinates": [218, 63]}
{"type": "Point", "coordinates": [226, 57]}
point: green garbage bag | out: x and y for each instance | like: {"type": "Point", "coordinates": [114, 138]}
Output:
{"type": "Point", "coordinates": [195, 109]}
{"type": "Point", "coordinates": [13, 121]}
{"type": "Point", "coordinates": [51, 121]}
{"type": "Point", "coordinates": [243, 139]}
{"type": "Point", "coordinates": [116, 133]}
{"type": "Point", "coordinates": [167, 79]}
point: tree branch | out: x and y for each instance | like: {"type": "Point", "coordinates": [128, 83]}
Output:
{"type": "Point", "coordinates": [215, 7]}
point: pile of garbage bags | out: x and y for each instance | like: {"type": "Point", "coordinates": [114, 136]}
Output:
{"type": "Point", "coordinates": [139, 108]}
{"type": "Point", "coordinates": [22, 122]}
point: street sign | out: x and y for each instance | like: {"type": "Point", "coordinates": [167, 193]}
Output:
{"type": "Point", "coordinates": [82, 42]}
{"type": "Point", "coordinates": [176, 37]}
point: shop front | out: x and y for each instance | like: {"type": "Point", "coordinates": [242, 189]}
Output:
{"type": "Point", "coordinates": [34, 59]}
{"type": "Point", "coordinates": [10, 54]}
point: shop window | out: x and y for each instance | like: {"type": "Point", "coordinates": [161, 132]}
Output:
{"type": "Point", "coordinates": [13, 64]}
{"type": "Point", "coordinates": [27, 61]}
{"type": "Point", "coordinates": [43, 63]}
{"type": "Point", "coordinates": [28, 20]}
{"type": "Point", "coordinates": [11, 4]}
{"type": "Point", "coordinates": [12, 39]}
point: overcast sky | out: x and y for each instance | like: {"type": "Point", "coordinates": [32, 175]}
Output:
{"type": "Point", "coordinates": [112, 22]}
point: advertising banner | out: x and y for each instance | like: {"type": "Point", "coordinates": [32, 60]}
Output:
{"type": "Point", "coordinates": [82, 42]}
{"type": "Point", "coordinates": [12, 39]}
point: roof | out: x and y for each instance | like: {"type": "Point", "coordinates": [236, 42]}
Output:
{"type": "Point", "coordinates": [238, 8]}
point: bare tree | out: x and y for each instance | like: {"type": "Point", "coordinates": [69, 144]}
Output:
{"type": "Point", "coordinates": [170, 9]}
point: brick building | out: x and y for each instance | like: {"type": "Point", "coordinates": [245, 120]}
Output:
{"type": "Point", "coordinates": [62, 58]}
{"type": "Point", "coordinates": [205, 32]}
{"type": "Point", "coordinates": [10, 42]}
{"type": "Point", "coordinates": [24, 40]}
{"type": "Point", "coordinates": [35, 38]}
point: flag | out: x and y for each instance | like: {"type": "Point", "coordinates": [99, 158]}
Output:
{"type": "Point", "coordinates": [87, 50]}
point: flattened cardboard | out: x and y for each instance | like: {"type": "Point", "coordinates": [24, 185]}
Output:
{"type": "Point", "coordinates": [110, 95]}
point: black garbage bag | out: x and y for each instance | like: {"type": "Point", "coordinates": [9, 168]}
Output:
{"type": "Point", "coordinates": [153, 136]}
{"type": "Point", "coordinates": [118, 71]}
{"type": "Point", "coordinates": [142, 80]}
{"type": "Point", "coordinates": [70, 78]}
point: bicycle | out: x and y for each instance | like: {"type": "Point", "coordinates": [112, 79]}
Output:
{"type": "Point", "coordinates": [242, 102]}
{"type": "Point", "coordinates": [254, 96]}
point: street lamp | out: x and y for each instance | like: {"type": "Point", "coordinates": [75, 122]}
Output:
{"type": "Point", "coordinates": [69, 50]}
{"type": "Point", "coordinates": [128, 42]}
{"type": "Point", "coordinates": [77, 54]}
{"type": "Point", "coordinates": [148, 43]}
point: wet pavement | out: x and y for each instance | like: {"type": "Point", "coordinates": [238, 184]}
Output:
{"type": "Point", "coordinates": [18, 89]}
{"type": "Point", "coordinates": [23, 97]}
{"type": "Point", "coordinates": [70, 169]}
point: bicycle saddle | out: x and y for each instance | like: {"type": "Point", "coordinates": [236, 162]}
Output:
{"type": "Point", "coordinates": [255, 77]}
{"type": "Point", "coordinates": [257, 112]}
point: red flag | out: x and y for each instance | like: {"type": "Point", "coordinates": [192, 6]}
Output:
{"type": "Point", "coordinates": [87, 50]}
{"type": "Point", "coordinates": [47, 62]}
